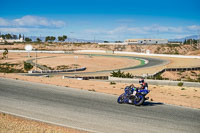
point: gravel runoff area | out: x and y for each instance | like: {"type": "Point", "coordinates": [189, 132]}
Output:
{"type": "Point", "coordinates": [15, 124]}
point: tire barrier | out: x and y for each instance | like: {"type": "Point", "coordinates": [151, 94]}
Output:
{"type": "Point", "coordinates": [57, 71]}
{"type": "Point", "coordinates": [87, 77]}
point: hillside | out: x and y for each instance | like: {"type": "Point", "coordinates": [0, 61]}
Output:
{"type": "Point", "coordinates": [157, 49]}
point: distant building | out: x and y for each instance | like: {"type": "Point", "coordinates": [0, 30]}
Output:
{"type": "Point", "coordinates": [139, 41]}
{"type": "Point", "coordinates": [146, 41]}
{"type": "Point", "coordinates": [11, 40]}
{"type": "Point", "coordinates": [112, 43]}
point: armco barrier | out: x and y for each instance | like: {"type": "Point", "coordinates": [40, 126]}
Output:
{"type": "Point", "coordinates": [155, 82]}
{"type": "Point", "coordinates": [87, 77]}
{"type": "Point", "coordinates": [57, 71]}
{"type": "Point", "coordinates": [174, 69]}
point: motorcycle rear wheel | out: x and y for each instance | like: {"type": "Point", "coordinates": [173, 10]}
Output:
{"type": "Point", "coordinates": [138, 100]}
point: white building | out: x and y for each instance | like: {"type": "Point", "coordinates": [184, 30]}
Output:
{"type": "Point", "coordinates": [112, 43]}
{"type": "Point", "coordinates": [146, 41]}
{"type": "Point", "coordinates": [139, 41]}
{"type": "Point", "coordinates": [11, 40]}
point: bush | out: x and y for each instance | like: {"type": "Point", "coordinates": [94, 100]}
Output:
{"type": "Point", "coordinates": [121, 74]}
{"type": "Point", "coordinates": [10, 68]}
{"type": "Point", "coordinates": [180, 84]}
{"type": "Point", "coordinates": [173, 45]}
{"type": "Point", "coordinates": [27, 66]}
{"type": "Point", "coordinates": [112, 83]}
{"type": "Point", "coordinates": [182, 88]}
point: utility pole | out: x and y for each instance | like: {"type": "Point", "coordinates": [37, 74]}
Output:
{"type": "Point", "coordinates": [35, 59]}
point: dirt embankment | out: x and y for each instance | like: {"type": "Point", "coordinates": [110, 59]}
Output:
{"type": "Point", "coordinates": [157, 49]}
{"type": "Point", "coordinates": [191, 76]}
{"type": "Point", "coordinates": [13, 124]}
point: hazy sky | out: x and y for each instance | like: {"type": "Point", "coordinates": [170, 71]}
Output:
{"type": "Point", "coordinates": [102, 19]}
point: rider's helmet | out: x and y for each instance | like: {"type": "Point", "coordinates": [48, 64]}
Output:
{"type": "Point", "coordinates": [141, 81]}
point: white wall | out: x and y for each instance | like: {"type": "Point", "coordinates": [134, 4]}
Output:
{"type": "Point", "coordinates": [11, 40]}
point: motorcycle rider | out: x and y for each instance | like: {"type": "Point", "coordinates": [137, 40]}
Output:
{"type": "Point", "coordinates": [144, 85]}
{"type": "Point", "coordinates": [133, 89]}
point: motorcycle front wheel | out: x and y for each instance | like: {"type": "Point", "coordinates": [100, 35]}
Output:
{"type": "Point", "coordinates": [120, 99]}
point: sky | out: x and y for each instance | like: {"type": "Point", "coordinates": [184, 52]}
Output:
{"type": "Point", "coordinates": [110, 20]}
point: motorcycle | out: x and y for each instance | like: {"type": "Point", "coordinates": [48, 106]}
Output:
{"type": "Point", "coordinates": [137, 99]}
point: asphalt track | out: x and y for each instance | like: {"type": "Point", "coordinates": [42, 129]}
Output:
{"type": "Point", "coordinates": [152, 62]}
{"type": "Point", "coordinates": [92, 111]}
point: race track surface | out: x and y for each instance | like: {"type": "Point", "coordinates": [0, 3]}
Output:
{"type": "Point", "coordinates": [92, 111]}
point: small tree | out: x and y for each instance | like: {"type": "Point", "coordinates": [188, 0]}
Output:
{"type": "Point", "coordinates": [5, 53]}
{"type": "Point", "coordinates": [50, 38]}
{"type": "Point", "coordinates": [62, 38]}
{"type": "Point", "coordinates": [20, 36]}
{"type": "Point", "coordinates": [53, 38]}
{"type": "Point", "coordinates": [47, 38]}
{"type": "Point", "coordinates": [3, 36]}
{"type": "Point", "coordinates": [118, 41]}
{"type": "Point", "coordinates": [8, 36]}
{"type": "Point", "coordinates": [28, 39]}
{"type": "Point", "coordinates": [38, 40]}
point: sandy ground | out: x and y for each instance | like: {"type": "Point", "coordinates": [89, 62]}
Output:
{"type": "Point", "coordinates": [181, 75]}
{"type": "Point", "coordinates": [14, 124]}
{"type": "Point", "coordinates": [91, 63]}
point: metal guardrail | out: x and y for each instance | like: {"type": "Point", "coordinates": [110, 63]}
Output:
{"type": "Point", "coordinates": [87, 77]}
{"type": "Point", "coordinates": [174, 69]}
{"type": "Point", "coordinates": [57, 71]}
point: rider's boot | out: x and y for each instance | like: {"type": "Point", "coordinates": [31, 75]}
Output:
{"type": "Point", "coordinates": [129, 101]}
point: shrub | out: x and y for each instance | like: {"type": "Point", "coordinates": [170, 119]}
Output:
{"type": "Point", "coordinates": [112, 83]}
{"type": "Point", "coordinates": [182, 88]}
{"type": "Point", "coordinates": [180, 84]}
{"type": "Point", "coordinates": [10, 68]}
{"type": "Point", "coordinates": [92, 90]}
{"type": "Point", "coordinates": [158, 77]}
{"type": "Point", "coordinates": [27, 66]}
{"type": "Point", "coordinates": [121, 74]}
